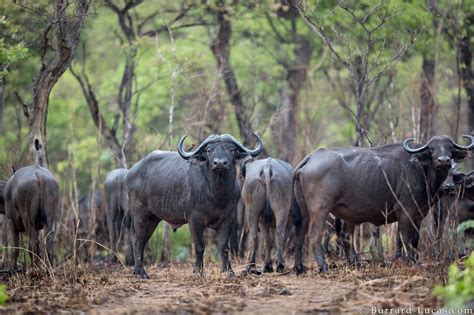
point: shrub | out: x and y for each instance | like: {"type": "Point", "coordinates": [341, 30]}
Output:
{"type": "Point", "coordinates": [460, 289]}
{"type": "Point", "coordinates": [3, 294]}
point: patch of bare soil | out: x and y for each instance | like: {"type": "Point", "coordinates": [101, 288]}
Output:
{"type": "Point", "coordinates": [175, 289]}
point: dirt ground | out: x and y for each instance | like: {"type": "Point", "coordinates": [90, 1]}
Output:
{"type": "Point", "coordinates": [112, 289]}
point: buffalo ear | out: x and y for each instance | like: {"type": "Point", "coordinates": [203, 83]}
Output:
{"type": "Point", "coordinates": [243, 164]}
{"type": "Point", "coordinates": [458, 178]}
{"type": "Point", "coordinates": [241, 155]}
{"type": "Point", "coordinates": [460, 155]}
{"type": "Point", "coordinates": [468, 183]}
{"type": "Point", "coordinates": [243, 169]}
{"type": "Point", "coordinates": [422, 156]}
{"type": "Point", "coordinates": [198, 159]}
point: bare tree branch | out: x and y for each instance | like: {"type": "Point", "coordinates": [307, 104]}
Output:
{"type": "Point", "coordinates": [320, 31]}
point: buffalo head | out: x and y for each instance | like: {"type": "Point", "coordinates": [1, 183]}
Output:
{"type": "Point", "coordinates": [220, 152]}
{"type": "Point", "coordinates": [440, 150]}
{"type": "Point", "coordinates": [461, 182]}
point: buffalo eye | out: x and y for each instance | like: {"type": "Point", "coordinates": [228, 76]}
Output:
{"type": "Point", "coordinates": [231, 150]}
{"type": "Point", "coordinates": [208, 150]}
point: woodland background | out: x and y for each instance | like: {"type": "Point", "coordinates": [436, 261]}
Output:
{"type": "Point", "coordinates": [302, 74]}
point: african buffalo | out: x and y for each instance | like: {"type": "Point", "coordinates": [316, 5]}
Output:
{"type": "Point", "coordinates": [197, 187]}
{"type": "Point", "coordinates": [456, 202]}
{"type": "Point", "coordinates": [31, 203]}
{"type": "Point", "coordinates": [464, 182]}
{"type": "Point", "coordinates": [396, 182]}
{"type": "Point", "coordinates": [266, 194]}
{"type": "Point", "coordinates": [116, 201]}
{"type": "Point", "coordinates": [462, 210]}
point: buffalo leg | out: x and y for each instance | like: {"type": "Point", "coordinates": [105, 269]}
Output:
{"type": "Point", "coordinates": [376, 248]}
{"type": "Point", "coordinates": [111, 213]}
{"type": "Point", "coordinates": [265, 229]}
{"type": "Point", "coordinates": [197, 234]}
{"type": "Point", "coordinates": [222, 239]}
{"type": "Point", "coordinates": [252, 223]}
{"type": "Point", "coordinates": [129, 244]}
{"type": "Point", "coordinates": [407, 240]}
{"type": "Point", "coordinates": [16, 245]}
{"type": "Point", "coordinates": [280, 237]}
{"type": "Point", "coordinates": [301, 229]}
{"type": "Point", "coordinates": [317, 231]}
{"type": "Point", "coordinates": [300, 217]}
{"type": "Point", "coordinates": [50, 240]}
{"type": "Point", "coordinates": [234, 240]}
{"type": "Point", "coordinates": [348, 244]}
{"type": "Point", "coordinates": [118, 228]}
{"type": "Point", "coordinates": [143, 227]}
{"type": "Point", "coordinates": [243, 242]}
{"type": "Point", "coordinates": [34, 247]}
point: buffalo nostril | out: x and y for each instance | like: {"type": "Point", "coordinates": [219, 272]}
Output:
{"type": "Point", "coordinates": [444, 159]}
{"type": "Point", "coordinates": [215, 163]}
{"type": "Point", "coordinates": [224, 163]}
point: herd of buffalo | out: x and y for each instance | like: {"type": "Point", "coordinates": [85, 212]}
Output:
{"type": "Point", "coordinates": [206, 186]}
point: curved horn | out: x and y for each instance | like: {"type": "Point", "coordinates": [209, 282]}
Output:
{"type": "Point", "coordinates": [254, 152]}
{"type": "Point", "coordinates": [469, 173]}
{"type": "Point", "coordinates": [418, 150]}
{"type": "Point", "coordinates": [186, 155]}
{"type": "Point", "coordinates": [467, 147]}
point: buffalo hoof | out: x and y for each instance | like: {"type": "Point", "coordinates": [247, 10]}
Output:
{"type": "Point", "coordinates": [198, 273]}
{"type": "Point", "coordinates": [230, 274]}
{"type": "Point", "coordinates": [129, 261]}
{"type": "Point", "coordinates": [323, 268]}
{"type": "Point", "coordinates": [140, 273]}
{"type": "Point", "coordinates": [268, 268]}
{"type": "Point", "coordinates": [356, 265]}
{"type": "Point", "coordinates": [253, 270]}
{"type": "Point", "coordinates": [280, 268]}
{"type": "Point", "coordinates": [299, 269]}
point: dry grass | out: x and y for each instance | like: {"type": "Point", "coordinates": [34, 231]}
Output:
{"type": "Point", "coordinates": [175, 289]}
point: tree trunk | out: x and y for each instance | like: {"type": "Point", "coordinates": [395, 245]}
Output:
{"type": "Point", "coordinates": [427, 99]}
{"type": "Point", "coordinates": [122, 148]}
{"type": "Point", "coordinates": [125, 101]}
{"type": "Point", "coordinates": [296, 77]}
{"type": "Point", "coordinates": [98, 119]}
{"type": "Point", "coordinates": [37, 122]}
{"type": "Point", "coordinates": [467, 78]}
{"type": "Point", "coordinates": [221, 49]}
{"type": "Point", "coordinates": [359, 76]}
{"type": "Point", "coordinates": [66, 36]}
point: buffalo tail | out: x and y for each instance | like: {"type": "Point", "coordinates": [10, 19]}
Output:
{"type": "Point", "coordinates": [267, 212]}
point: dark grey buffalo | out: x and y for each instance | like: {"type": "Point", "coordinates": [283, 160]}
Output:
{"type": "Point", "coordinates": [266, 194]}
{"type": "Point", "coordinates": [31, 203]}
{"type": "Point", "coordinates": [464, 183]}
{"type": "Point", "coordinates": [197, 187]}
{"type": "Point", "coordinates": [397, 182]}
{"type": "Point", "coordinates": [461, 209]}
{"type": "Point", "coordinates": [116, 201]}
{"type": "Point", "coordinates": [457, 203]}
